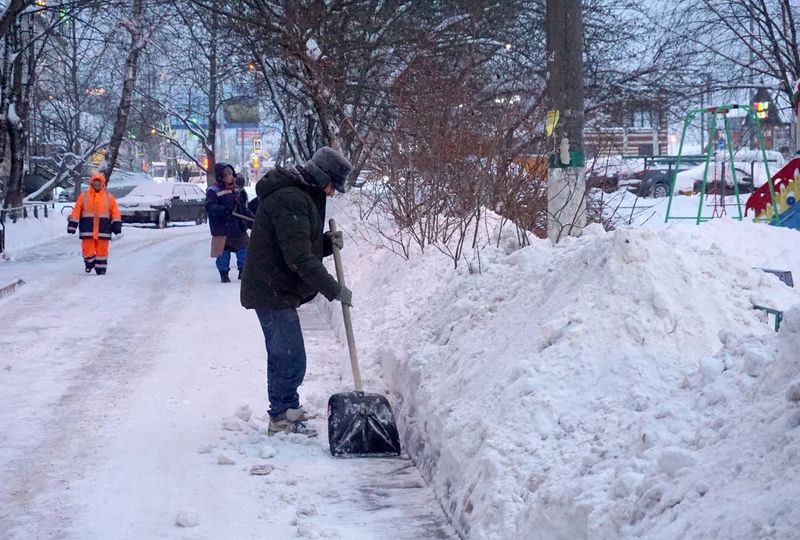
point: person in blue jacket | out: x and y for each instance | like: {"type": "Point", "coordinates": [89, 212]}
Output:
{"type": "Point", "coordinates": [228, 232]}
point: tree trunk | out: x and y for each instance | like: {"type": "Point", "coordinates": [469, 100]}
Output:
{"type": "Point", "coordinates": [10, 13]}
{"type": "Point", "coordinates": [15, 115]}
{"type": "Point", "coordinates": [211, 142]}
{"type": "Point", "coordinates": [131, 67]}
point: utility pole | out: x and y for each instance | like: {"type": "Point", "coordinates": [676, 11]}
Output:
{"type": "Point", "coordinates": [752, 142]}
{"type": "Point", "coordinates": [566, 184]}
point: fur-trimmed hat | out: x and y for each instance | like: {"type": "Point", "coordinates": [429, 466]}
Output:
{"type": "Point", "coordinates": [328, 165]}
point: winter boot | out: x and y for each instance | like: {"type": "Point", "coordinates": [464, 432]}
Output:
{"type": "Point", "coordinates": [100, 271]}
{"type": "Point", "coordinates": [223, 276]}
{"type": "Point", "coordinates": [299, 415]}
{"type": "Point", "coordinates": [282, 424]}
{"type": "Point", "coordinates": [89, 267]}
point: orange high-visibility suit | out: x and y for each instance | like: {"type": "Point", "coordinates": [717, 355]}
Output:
{"type": "Point", "coordinates": [96, 215]}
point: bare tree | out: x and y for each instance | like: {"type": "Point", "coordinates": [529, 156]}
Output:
{"type": "Point", "coordinates": [72, 100]}
{"type": "Point", "coordinates": [135, 27]}
{"type": "Point", "coordinates": [11, 12]}
{"type": "Point", "coordinates": [742, 43]}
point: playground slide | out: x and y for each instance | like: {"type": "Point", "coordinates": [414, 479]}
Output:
{"type": "Point", "coordinates": [786, 184]}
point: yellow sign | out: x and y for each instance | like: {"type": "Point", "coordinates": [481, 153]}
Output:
{"type": "Point", "coordinates": [551, 121]}
{"type": "Point", "coordinates": [99, 156]}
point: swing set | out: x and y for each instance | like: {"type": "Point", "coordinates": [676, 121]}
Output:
{"type": "Point", "coordinates": [719, 170]}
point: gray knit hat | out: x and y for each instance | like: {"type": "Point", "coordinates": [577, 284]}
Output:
{"type": "Point", "coordinates": [328, 165]}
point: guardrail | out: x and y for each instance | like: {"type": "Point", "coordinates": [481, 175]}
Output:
{"type": "Point", "coordinates": [26, 211]}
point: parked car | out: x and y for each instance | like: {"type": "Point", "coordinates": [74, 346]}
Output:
{"type": "Point", "coordinates": [605, 171]}
{"type": "Point", "coordinates": [654, 179]}
{"type": "Point", "coordinates": [160, 203]}
{"type": "Point", "coordinates": [64, 195]}
{"type": "Point", "coordinates": [719, 179]}
{"type": "Point", "coordinates": [120, 191]}
{"type": "Point", "coordinates": [197, 177]}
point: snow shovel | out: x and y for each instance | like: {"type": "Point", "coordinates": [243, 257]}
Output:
{"type": "Point", "coordinates": [242, 216]}
{"type": "Point", "coordinates": [359, 424]}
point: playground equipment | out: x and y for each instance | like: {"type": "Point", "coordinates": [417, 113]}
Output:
{"type": "Point", "coordinates": [776, 201]}
{"type": "Point", "coordinates": [719, 186]}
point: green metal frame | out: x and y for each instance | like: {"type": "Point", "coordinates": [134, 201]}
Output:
{"type": "Point", "coordinates": [712, 129]}
{"type": "Point", "coordinates": [771, 311]}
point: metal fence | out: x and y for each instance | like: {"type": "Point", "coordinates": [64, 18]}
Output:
{"type": "Point", "coordinates": [32, 210]}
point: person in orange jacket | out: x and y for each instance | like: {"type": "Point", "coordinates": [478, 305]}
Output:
{"type": "Point", "coordinates": [96, 215]}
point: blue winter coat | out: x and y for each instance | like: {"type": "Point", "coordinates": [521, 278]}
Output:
{"type": "Point", "coordinates": [221, 203]}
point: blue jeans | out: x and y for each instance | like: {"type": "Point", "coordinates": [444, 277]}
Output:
{"type": "Point", "coordinates": [286, 357]}
{"type": "Point", "coordinates": [224, 260]}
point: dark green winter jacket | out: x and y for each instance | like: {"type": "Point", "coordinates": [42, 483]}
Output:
{"type": "Point", "coordinates": [284, 266]}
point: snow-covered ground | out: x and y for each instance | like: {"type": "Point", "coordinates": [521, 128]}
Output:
{"type": "Point", "coordinates": [617, 385]}
{"type": "Point", "coordinates": [133, 404]}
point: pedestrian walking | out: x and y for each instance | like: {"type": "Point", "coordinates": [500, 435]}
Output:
{"type": "Point", "coordinates": [96, 215]}
{"type": "Point", "coordinates": [228, 233]}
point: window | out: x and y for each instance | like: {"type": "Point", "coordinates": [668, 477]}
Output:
{"type": "Point", "coordinates": [642, 120]}
{"type": "Point", "coordinates": [181, 192]}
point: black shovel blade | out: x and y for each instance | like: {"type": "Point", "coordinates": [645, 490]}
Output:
{"type": "Point", "coordinates": [361, 424]}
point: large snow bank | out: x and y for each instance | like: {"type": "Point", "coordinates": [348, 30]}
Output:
{"type": "Point", "coordinates": [619, 384]}
{"type": "Point", "coordinates": [32, 231]}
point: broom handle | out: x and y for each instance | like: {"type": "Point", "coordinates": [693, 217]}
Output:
{"type": "Point", "coordinates": [348, 325]}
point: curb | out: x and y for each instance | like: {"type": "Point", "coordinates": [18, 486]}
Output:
{"type": "Point", "coordinates": [9, 288]}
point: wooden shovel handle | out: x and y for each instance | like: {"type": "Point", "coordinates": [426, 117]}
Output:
{"type": "Point", "coordinates": [241, 216]}
{"type": "Point", "coordinates": [348, 325]}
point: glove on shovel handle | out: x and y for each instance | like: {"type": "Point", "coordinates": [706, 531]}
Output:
{"type": "Point", "coordinates": [348, 325]}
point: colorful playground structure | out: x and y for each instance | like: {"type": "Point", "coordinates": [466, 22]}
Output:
{"type": "Point", "coordinates": [776, 201]}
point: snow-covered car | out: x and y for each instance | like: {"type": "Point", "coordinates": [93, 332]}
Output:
{"type": "Point", "coordinates": [604, 172]}
{"type": "Point", "coordinates": [160, 203]}
{"type": "Point", "coordinates": [653, 180]}
{"type": "Point", "coordinates": [64, 195]}
{"type": "Point", "coordinates": [719, 179]}
{"type": "Point", "coordinates": [197, 177]}
{"type": "Point", "coordinates": [750, 172]}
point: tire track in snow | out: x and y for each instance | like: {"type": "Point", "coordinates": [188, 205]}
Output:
{"type": "Point", "coordinates": [101, 366]}
{"type": "Point", "coordinates": [77, 481]}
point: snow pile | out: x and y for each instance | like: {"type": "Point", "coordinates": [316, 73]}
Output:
{"type": "Point", "coordinates": [742, 415]}
{"type": "Point", "coordinates": [187, 518]}
{"type": "Point", "coordinates": [599, 388]}
{"type": "Point", "coordinates": [32, 231]}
